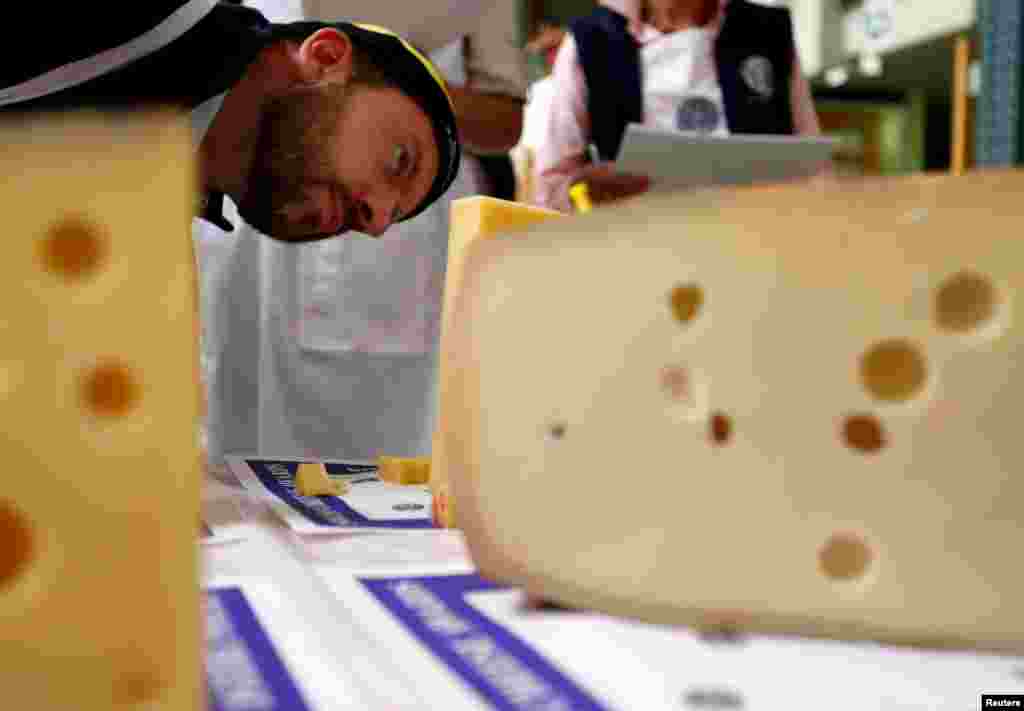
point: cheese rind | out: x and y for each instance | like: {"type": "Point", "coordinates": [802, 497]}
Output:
{"type": "Point", "coordinates": [473, 220]}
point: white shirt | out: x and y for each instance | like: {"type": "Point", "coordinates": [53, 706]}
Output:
{"type": "Point", "coordinates": [202, 116]}
{"type": "Point", "coordinates": [562, 131]}
{"type": "Point", "coordinates": [325, 350]}
{"type": "Point", "coordinates": [681, 90]}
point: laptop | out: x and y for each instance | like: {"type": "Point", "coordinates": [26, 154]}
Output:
{"type": "Point", "coordinates": [675, 159]}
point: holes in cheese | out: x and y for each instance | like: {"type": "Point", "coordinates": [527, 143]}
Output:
{"type": "Point", "coordinates": [965, 302]}
{"type": "Point", "coordinates": [404, 470]}
{"type": "Point", "coordinates": [110, 389]}
{"type": "Point", "coordinates": [675, 382]}
{"type": "Point", "coordinates": [17, 545]}
{"type": "Point", "coordinates": [136, 687]}
{"type": "Point", "coordinates": [893, 370]}
{"type": "Point", "coordinates": [722, 622]}
{"type": "Point", "coordinates": [863, 433]}
{"type": "Point", "coordinates": [74, 248]}
{"type": "Point", "coordinates": [311, 480]}
{"type": "Point", "coordinates": [845, 556]}
{"type": "Point", "coordinates": [557, 430]}
{"type": "Point", "coordinates": [720, 427]}
{"type": "Point", "coordinates": [686, 301]}
{"type": "Point", "coordinates": [685, 390]}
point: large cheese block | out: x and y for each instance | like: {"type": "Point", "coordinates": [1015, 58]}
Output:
{"type": "Point", "coordinates": [99, 511]}
{"type": "Point", "coordinates": [786, 409]}
{"type": "Point", "coordinates": [473, 219]}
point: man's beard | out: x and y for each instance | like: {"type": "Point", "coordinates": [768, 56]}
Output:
{"type": "Point", "coordinates": [295, 137]}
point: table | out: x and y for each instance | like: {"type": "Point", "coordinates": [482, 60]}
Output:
{"type": "Point", "coordinates": [400, 620]}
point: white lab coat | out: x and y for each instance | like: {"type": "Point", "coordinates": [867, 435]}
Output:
{"type": "Point", "coordinates": [326, 350]}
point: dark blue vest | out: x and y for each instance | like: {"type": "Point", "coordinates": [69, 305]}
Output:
{"type": "Point", "coordinates": [755, 100]}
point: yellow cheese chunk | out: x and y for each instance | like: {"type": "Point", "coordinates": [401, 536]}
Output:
{"type": "Point", "coordinates": [812, 391]}
{"type": "Point", "coordinates": [479, 218]}
{"type": "Point", "coordinates": [404, 470]}
{"type": "Point", "coordinates": [420, 471]}
{"type": "Point", "coordinates": [99, 589]}
{"type": "Point", "coordinates": [473, 220]}
{"type": "Point", "coordinates": [311, 480]}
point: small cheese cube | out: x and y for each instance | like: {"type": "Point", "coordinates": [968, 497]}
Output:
{"type": "Point", "coordinates": [311, 480]}
{"type": "Point", "coordinates": [404, 470]}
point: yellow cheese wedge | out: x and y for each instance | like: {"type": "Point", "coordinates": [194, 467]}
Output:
{"type": "Point", "coordinates": [473, 220]}
{"type": "Point", "coordinates": [99, 592]}
{"type": "Point", "coordinates": [311, 480]}
{"type": "Point", "coordinates": [404, 470]}
{"type": "Point", "coordinates": [793, 409]}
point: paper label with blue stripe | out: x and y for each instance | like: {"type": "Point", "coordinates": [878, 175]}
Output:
{"type": "Point", "coordinates": [244, 671]}
{"type": "Point", "coordinates": [503, 669]}
{"type": "Point", "coordinates": [368, 504]}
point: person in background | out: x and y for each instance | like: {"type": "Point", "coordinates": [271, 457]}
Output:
{"type": "Point", "coordinates": [489, 98]}
{"type": "Point", "coordinates": [544, 44]}
{"type": "Point", "coordinates": [711, 66]}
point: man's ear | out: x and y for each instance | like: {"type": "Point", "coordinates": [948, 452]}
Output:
{"type": "Point", "coordinates": [326, 54]}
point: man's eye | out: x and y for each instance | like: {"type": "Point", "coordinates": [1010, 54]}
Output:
{"type": "Point", "coordinates": [400, 161]}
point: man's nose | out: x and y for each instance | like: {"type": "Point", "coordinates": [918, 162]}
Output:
{"type": "Point", "coordinates": [379, 210]}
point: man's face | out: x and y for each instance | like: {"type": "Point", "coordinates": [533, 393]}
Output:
{"type": "Point", "coordinates": [331, 158]}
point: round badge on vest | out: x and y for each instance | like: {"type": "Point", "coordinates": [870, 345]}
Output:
{"type": "Point", "coordinates": [758, 75]}
{"type": "Point", "coordinates": [698, 113]}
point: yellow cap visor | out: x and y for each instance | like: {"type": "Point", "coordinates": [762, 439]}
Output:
{"type": "Point", "coordinates": [428, 65]}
